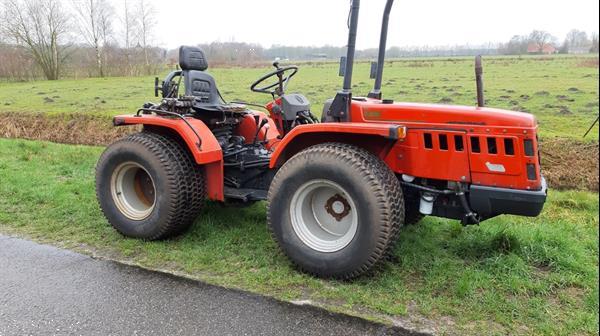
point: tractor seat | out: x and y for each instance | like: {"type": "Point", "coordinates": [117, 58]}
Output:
{"type": "Point", "coordinates": [197, 81]}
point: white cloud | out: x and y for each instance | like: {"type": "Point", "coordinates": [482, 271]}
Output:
{"type": "Point", "coordinates": [320, 22]}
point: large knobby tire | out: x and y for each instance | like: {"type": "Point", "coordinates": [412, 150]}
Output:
{"type": "Point", "coordinates": [335, 210]}
{"type": "Point", "coordinates": [149, 187]}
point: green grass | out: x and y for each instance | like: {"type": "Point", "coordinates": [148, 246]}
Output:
{"type": "Point", "coordinates": [561, 92]}
{"type": "Point", "coordinates": [508, 276]}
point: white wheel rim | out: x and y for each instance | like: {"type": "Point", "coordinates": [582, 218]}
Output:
{"type": "Point", "coordinates": [324, 216]}
{"type": "Point", "coordinates": [133, 191]}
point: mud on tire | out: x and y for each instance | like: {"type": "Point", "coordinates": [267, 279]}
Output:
{"type": "Point", "coordinates": [364, 187]}
{"type": "Point", "coordinates": [149, 187]}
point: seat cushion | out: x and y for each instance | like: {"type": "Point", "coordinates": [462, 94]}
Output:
{"type": "Point", "coordinates": [201, 89]}
{"type": "Point", "coordinates": [192, 58]}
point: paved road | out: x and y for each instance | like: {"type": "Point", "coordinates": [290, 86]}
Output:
{"type": "Point", "coordinates": [49, 291]}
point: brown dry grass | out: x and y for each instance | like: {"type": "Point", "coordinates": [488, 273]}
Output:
{"type": "Point", "coordinates": [570, 164]}
{"type": "Point", "coordinates": [567, 164]}
{"type": "Point", "coordinates": [70, 129]}
{"type": "Point", "coordinates": [589, 63]}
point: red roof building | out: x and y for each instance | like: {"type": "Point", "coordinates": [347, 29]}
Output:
{"type": "Point", "coordinates": [547, 49]}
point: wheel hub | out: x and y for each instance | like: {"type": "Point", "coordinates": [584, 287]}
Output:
{"type": "Point", "coordinates": [324, 216]}
{"type": "Point", "coordinates": [133, 191]}
{"type": "Point", "coordinates": [338, 207]}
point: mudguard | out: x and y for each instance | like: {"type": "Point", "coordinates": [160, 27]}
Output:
{"type": "Point", "coordinates": [200, 141]}
{"type": "Point", "coordinates": [326, 132]}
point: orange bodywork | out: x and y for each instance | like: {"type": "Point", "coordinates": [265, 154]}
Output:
{"type": "Point", "coordinates": [329, 132]}
{"type": "Point", "coordinates": [206, 150]}
{"type": "Point", "coordinates": [247, 129]}
{"type": "Point", "coordinates": [482, 146]}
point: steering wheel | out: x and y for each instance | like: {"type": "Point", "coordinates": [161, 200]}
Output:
{"type": "Point", "coordinates": [278, 88]}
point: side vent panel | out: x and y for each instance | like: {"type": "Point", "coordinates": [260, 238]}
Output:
{"type": "Point", "coordinates": [529, 150]}
{"type": "Point", "coordinates": [475, 145]}
{"type": "Point", "coordinates": [492, 146]}
{"type": "Point", "coordinates": [509, 146]}
{"type": "Point", "coordinates": [459, 144]}
{"type": "Point", "coordinates": [433, 153]}
{"type": "Point", "coordinates": [443, 142]}
{"type": "Point", "coordinates": [428, 140]}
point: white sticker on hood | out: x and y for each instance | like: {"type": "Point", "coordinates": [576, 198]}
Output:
{"type": "Point", "coordinates": [496, 168]}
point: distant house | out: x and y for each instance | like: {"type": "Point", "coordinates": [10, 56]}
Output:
{"type": "Point", "coordinates": [548, 49]}
{"type": "Point", "coordinates": [316, 56]}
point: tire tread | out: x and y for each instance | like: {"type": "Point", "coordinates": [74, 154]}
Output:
{"type": "Point", "coordinates": [381, 181]}
{"type": "Point", "coordinates": [185, 177]}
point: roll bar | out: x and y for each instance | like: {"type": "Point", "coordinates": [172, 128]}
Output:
{"type": "Point", "coordinates": [340, 106]}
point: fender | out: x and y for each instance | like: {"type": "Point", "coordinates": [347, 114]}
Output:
{"type": "Point", "coordinates": [292, 142]}
{"type": "Point", "coordinates": [200, 141]}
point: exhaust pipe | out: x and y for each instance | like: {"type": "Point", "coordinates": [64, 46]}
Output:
{"type": "Point", "coordinates": [479, 81]}
{"type": "Point", "coordinates": [376, 93]}
{"type": "Point", "coordinates": [351, 45]}
{"type": "Point", "coordinates": [340, 107]}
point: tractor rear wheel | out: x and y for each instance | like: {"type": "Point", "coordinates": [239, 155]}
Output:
{"type": "Point", "coordinates": [335, 210]}
{"type": "Point", "coordinates": [149, 187]}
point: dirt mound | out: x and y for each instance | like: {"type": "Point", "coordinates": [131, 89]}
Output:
{"type": "Point", "coordinates": [567, 164]}
{"type": "Point", "coordinates": [70, 128]}
{"type": "Point", "coordinates": [570, 164]}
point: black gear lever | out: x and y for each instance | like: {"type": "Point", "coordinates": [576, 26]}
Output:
{"type": "Point", "coordinates": [280, 90]}
{"type": "Point", "coordinates": [260, 127]}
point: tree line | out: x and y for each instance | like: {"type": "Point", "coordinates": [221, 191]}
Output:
{"type": "Point", "coordinates": [92, 38]}
{"type": "Point", "coordinates": [77, 38]}
{"type": "Point", "coordinates": [539, 42]}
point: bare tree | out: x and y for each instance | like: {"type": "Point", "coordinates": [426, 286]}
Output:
{"type": "Point", "coordinates": [146, 15]}
{"type": "Point", "coordinates": [41, 26]}
{"type": "Point", "coordinates": [129, 26]}
{"type": "Point", "coordinates": [540, 39]}
{"type": "Point", "coordinates": [95, 27]}
{"type": "Point", "coordinates": [594, 47]}
{"type": "Point", "coordinates": [577, 39]}
{"type": "Point", "coordinates": [516, 46]}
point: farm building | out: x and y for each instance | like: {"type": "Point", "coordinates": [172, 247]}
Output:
{"type": "Point", "coordinates": [547, 49]}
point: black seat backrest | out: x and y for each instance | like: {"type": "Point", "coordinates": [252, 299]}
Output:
{"type": "Point", "coordinates": [198, 83]}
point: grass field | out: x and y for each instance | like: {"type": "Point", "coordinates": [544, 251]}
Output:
{"type": "Point", "coordinates": [510, 275]}
{"type": "Point", "coordinates": [561, 91]}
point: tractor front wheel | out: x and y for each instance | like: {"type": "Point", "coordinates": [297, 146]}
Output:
{"type": "Point", "coordinates": [149, 187]}
{"type": "Point", "coordinates": [335, 210]}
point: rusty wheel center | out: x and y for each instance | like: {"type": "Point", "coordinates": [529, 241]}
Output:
{"type": "Point", "coordinates": [144, 188]}
{"type": "Point", "coordinates": [323, 215]}
{"type": "Point", "coordinates": [133, 191]}
{"type": "Point", "coordinates": [338, 207]}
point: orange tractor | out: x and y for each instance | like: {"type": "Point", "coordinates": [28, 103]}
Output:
{"type": "Point", "coordinates": [338, 189]}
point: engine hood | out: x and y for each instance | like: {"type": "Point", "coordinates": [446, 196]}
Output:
{"type": "Point", "coordinates": [375, 110]}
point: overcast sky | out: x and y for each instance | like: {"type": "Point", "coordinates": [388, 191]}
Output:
{"type": "Point", "coordinates": [320, 22]}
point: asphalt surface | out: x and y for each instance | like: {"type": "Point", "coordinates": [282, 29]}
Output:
{"type": "Point", "coordinates": [49, 291]}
